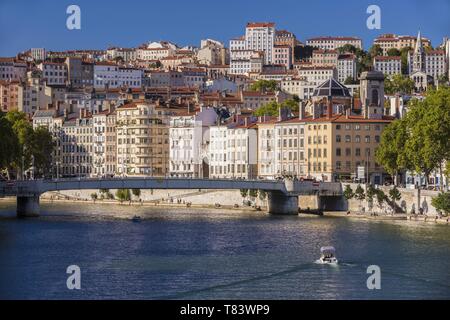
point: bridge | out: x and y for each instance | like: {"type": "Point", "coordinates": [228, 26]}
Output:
{"type": "Point", "coordinates": [282, 194]}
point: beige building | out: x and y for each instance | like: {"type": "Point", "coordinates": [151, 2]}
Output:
{"type": "Point", "coordinates": [389, 41]}
{"type": "Point", "coordinates": [142, 139]}
{"type": "Point", "coordinates": [105, 150]}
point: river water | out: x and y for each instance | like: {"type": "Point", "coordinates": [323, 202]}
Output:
{"type": "Point", "coordinates": [215, 254]}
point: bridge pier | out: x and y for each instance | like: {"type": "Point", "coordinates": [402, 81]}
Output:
{"type": "Point", "coordinates": [28, 206]}
{"type": "Point", "coordinates": [282, 204]}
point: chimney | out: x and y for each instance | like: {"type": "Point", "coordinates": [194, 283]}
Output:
{"type": "Point", "coordinates": [246, 121]}
{"type": "Point", "coordinates": [301, 110]}
{"type": "Point", "coordinates": [315, 110]}
{"type": "Point", "coordinates": [330, 107]}
{"type": "Point", "coordinates": [366, 109]}
{"type": "Point", "coordinates": [347, 113]}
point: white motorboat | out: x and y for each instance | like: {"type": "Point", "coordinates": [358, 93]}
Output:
{"type": "Point", "coordinates": [328, 256]}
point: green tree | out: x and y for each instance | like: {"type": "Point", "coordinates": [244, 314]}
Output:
{"type": "Point", "coordinates": [264, 86]}
{"type": "Point", "coordinates": [394, 52]}
{"type": "Point", "coordinates": [350, 80]}
{"type": "Point", "coordinates": [269, 109]}
{"type": "Point", "coordinates": [428, 122]}
{"type": "Point", "coordinates": [348, 192]}
{"type": "Point", "coordinates": [244, 193]}
{"type": "Point", "coordinates": [404, 52]}
{"type": "Point", "coordinates": [390, 152]}
{"type": "Point", "coordinates": [253, 193]}
{"type": "Point", "coordinates": [290, 104]}
{"type": "Point", "coordinates": [398, 84]}
{"type": "Point", "coordinates": [262, 195]}
{"type": "Point", "coordinates": [442, 202]}
{"type": "Point", "coordinates": [136, 192]}
{"type": "Point", "coordinates": [359, 194]}
{"type": "Point", "coordinates": [375, 50]}
{"type": "Point", "coordinates": [394, 196]}
{"type": "Point", "coordinates": [123, 195]}
{"type": "Point", "coordinates": [9, 144]}
{"type": "Point", "coordinates": [381, 197]}
{"type": "Point", "coordinates": [41, 146]}
{"type": "Point", "coordinates": [347, 48]}
{"type": "Point", "coordinates": [370, 194]}
{"type": "Point", "coordinates": [94, 196]}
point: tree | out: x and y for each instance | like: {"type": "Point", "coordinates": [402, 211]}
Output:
{"type": "Point", "coordinates": [370, 194]}
{"type": "Point", "coordinates": [390, 152]}
{"type": "Point", "coordinates": [394, 195]}
{"type": "Point", "coordinates": [347, 48]}
{"type": "Point", "coordinates": [262, 195]}
{"type": "Point", "coordinates": [270, 109]}
{"type": "Point", "coordinates": [136, 192]}
{"type": "Point", "coordinates": [428, 122]}
{"type": "Point", "coordinates": [8, 142]}
{"type": "Point", "coordinates": [104, 191]}
{"type": "Point", "coordinates": [264, 86]}
{"type": "Point", "coordinates": [359, 194]}
{"type": "Point", "coordinates": [94, 196]}
{"type": "Point", "coordinates": [381, 197]}
{"type": "Point", "coordinates": [123, 195]}
{"type": "Point", "coordinates": [394, 52]}
{"type": "Point", "coordinates": [398, 84]}
{"type": "Point", "coordinates": [41, 147]}
{"type": "Point", "coordinates": [291, 104]}
{"type": "Point", "coordinates": [375, 50]}
{"type": "Point", "coordinates": [244, 193]}
{"type": "Point", "coordinates": [442, 202]}
{"type": "Point", "coordinates": [404, 52]}
{"type": "Point", "coordinates": [253, 193]}
{"type": "Point", "coordinates": [350, 80]}
{"type": "Point", "coordinates": [348, 192]}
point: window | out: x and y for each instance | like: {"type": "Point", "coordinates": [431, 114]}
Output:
{"type": "Point", "coordinates": [338, 138]}
{"type": "Point", "coordinates": [338, 152]}
{"type": "Point", "coordinates": [367, 139]}
{"type": "Point", "coordinates": [348, 138]}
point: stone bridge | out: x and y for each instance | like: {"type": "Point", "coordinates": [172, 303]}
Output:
{"type": "Point", "coordinates": [282, 195]}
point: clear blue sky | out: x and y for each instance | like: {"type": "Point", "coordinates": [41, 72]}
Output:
{"type": "Point", "coordinates": [42, 23]}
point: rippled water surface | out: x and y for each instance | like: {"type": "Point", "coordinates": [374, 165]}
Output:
{"type": "Point", "coordinates": [215, 254]}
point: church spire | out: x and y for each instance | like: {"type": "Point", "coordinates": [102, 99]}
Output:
{"type": "Point", "coordinates": [419, 46]}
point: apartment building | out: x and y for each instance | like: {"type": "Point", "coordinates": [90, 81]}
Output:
{"type": "Point", "coordinates": [266, 148]}
{"type": "Point", "coordinates": [346, 67]}
{"type": "Point", "coordinates": [315, 75]}
{"type": "Point", "coordinates": [189, 142]}
{"type": "Point", "coordinates": [289, 148]}
{"type": "Point", "coordinates": [260, 36]}
{"type": "Point", "coordinates": [393, 41]}
{"type": "Point", "coordinates": [142, 139]}
{"type": "Point", "coordinates": [12, 69]}
{"type": "Point", "coordinates": [388, 65]}
{"type": "Point", "coordinates": [104, 144]}
{"type": "Point", "coordinates": [38, 54]}
{"type": "Point", "coordinates": [233, 150]}
{"type": "Point", "coordinates": [9, 95]}
{"type": "Point", "coordinates": [126, 54]}
{"type": "Point", "coordinates": [333, 43]}
{"type": "Point", "coordinates": [282, 55]}
{"type": "Point", "coordinates": [54, 74]}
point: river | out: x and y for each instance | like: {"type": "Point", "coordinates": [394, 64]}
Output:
{"type": "Point", "coordinates": [215, 254]}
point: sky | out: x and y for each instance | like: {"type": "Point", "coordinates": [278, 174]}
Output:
{"type": "Point", "coordinates": [28, 24]}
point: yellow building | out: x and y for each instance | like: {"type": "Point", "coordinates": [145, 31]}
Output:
{"type": "Point", "coordinates": [142, 139]}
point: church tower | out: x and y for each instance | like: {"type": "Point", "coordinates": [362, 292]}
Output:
{"type": "Point", "coordinates": [418, 56]}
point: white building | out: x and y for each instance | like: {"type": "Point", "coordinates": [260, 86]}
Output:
{"type": "Point", "coordinates": [316, 75]}
{"type": "Point", "coordinates": [54, 73]}
{"type": "Point", "coordinates": [260, 36]}
{"type": "Point", "coordinates": [152, 54]}
{"type": "Point", "coordinates": [388, 65]}
{"type": "Point", "coordinates": [346, 67]}
{"type": "Point", "coordinates": [189, 141]}
{"type": "Point", "coordinates": [106, 75]}
{"type": "Point", "coordinates": [38, 54]}
{"type": "Point", "coordinates": [332, 43]}
{"type": "Point", "coordinates": [12, 69]}
{"type": "Point", "coordinates": [127, 54]}
{"type": "Point", "coordinates": [130, 77]}
{"type": "Point", "coordinates": [104, 144]}
{"type": "Point", "coordinates": [233, 150]}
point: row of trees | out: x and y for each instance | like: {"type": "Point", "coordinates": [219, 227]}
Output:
{"type": "Point", "coordinates": [371, 194]}
{"type": "Point", "coordinates": [419, 142]}
{"type": "Point", "coordinates": [121, 194]}
{"type": "Point", "coordinates": [22, 147]}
